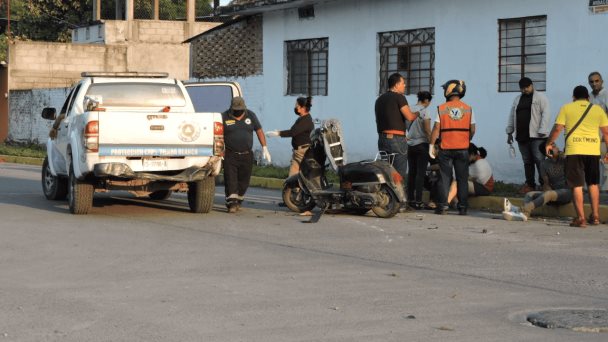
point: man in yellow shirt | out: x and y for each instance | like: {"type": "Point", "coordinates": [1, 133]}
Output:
{"type": "Point", "coordinates": [581, 120]}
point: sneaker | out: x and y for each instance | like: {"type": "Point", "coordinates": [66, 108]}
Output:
{"type": "Point", "coordinates": [462, 211]}
{"type": "Point", "coordinates": [232, 208]}
{"type": "Point", "coordinates": [514, 216]}
{"type": "Point", "coordinates": [441, 211]}
{"type": "Point", "coordinates": [508, 206]}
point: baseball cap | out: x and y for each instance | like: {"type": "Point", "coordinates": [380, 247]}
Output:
{"type": "Point", "coordinates": [238, 103]}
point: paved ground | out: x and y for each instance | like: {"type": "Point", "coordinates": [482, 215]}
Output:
{"type": "Point", "coordinates": [136, 270]}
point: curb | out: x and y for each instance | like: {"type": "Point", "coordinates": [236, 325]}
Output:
{"type": "Point", "coordinates": [21, 160]}
{"type": "Point", "coordinates": [490, 203]}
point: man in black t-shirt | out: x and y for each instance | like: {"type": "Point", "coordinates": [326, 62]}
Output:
{"type": "Point", "coordinates": [392, 111]}
{"type": "Point", "coordinates": [529, 119]}
{"type": "Point", "coordinates": [239, 125]}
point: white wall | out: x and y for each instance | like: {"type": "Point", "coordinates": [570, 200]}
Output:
{"type": "Point", "coordinates": [466, 48]}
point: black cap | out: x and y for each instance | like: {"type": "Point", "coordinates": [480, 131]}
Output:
{"type": "Point", "coordinates": [525, 82]}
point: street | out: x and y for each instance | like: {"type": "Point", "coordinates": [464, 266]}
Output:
{"type": "Point", "coordinates": [139, 270]}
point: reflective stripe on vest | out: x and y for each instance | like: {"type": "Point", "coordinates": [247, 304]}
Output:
{"type": "Point", "coordinates": [455, 123]}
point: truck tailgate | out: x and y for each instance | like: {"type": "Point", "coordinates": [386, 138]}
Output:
{"type": "Point", "coordinates": [156, 134]}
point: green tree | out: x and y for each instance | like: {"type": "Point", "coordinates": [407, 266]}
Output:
{"type": "Point", "coordinates": [52, 20]}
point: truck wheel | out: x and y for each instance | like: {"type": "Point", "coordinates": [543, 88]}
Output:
{"type": "Point", "coordinates": [160, 195]}
{"type": "Point", "coordinates": [54, 187]}
{"type": "Point", "coordinates": [80, 197]}
{"type": "Point", "coordinates": [201, 195]}
{"type": "Point", "coordinates": [296, 200]}
{"type": "Point", "coordinates": [390, 205]}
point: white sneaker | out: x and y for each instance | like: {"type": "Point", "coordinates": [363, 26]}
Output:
{"type": "Point", "coordinates": [514, 216]}
{"type": "Point", "coordinates": [508, 206]}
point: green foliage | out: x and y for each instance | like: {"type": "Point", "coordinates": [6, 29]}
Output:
{"type": "Point", "coordinates": [26, 150]}
{"type": "Point", "coordinates": [506, 189]}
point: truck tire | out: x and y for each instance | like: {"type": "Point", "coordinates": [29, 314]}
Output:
{"type": "Point", "coordinates": [55, 188]}
{"type": "Point", "coordinates": [160, 195]}
{"type": "Point", "coordinates": [80, 197]}
{"type": "Point", "coordinates": [201, 195]}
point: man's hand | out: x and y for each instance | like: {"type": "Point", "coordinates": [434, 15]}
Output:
{"type": "Point", "coordinates": [53, 134]}
{"type": "Point", "coordinates": [266, 154]}
{"type": "Point", "coordinates": [548, 149]}
{"type": "Point", "coordinates": [432, 151]}
{"type": "Point", "coordinates": [509, 138]}
{"type": "Point", "coordinates": [272, 134]}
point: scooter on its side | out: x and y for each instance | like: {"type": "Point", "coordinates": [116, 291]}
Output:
{"type": "Point", "coordinates": [366, 185]}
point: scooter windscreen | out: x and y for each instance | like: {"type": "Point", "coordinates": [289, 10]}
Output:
{"type": "Point", "coordinates": [333, 142]}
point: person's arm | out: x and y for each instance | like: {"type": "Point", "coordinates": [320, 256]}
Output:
{"type": "Point", "coordinates": [260, 133]}
{"type": "Point", "coordinates": [407, 113]}
{"type": "Point", "coordinates": [557, 129]}
{"type": "Point", "coordinates": [426, 125]}
{"type": "Point", "coordinates": [604, 131]}
{"type": "Point", "coordinates": [545, 116]}
{"type": "Point", "coordinates": [472, 130]}
{"type": "Point", "coordinates": [511, 122]}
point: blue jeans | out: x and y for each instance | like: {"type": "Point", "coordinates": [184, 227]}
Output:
{"type": "Point", "coordinates": [396, 144]}
{"type": "Point", "coordinates": [532, 157]}
{"type": "Point", "coordinates": [458, 160]}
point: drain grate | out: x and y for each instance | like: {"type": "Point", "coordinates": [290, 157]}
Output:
{"type": "Point", "coordinates": [576, 320]}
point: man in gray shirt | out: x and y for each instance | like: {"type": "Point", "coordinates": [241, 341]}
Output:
{"type": "Point", "coordinates": [599, 96]}
{"type": "Point", "coordinates": [529, 119]}
{"type": "Point", "coordinates": [418, 134]}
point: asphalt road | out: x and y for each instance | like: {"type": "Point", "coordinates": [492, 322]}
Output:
{"type": "Point", "coordinates": [137, 270]}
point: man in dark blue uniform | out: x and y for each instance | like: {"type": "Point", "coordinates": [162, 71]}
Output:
{"type": "Point", "coordinates": [239, 125]}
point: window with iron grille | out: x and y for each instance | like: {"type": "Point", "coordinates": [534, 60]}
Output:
{"type": "Point", "coordinates": [411, 53]}
{"type": "Point", "coordinates": [522, 52]}
{"type": "Point", "coordinates": [307, 66]}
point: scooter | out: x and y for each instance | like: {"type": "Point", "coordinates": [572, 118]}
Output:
{"type": "Point", "coordinates": [366, 185]}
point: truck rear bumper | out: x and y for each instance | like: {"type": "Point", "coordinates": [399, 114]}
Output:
{"type": "Point", "coordinates": [121, 170]}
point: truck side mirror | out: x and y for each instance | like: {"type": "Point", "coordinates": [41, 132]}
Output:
{"type": "Point", "coordinates": [49, 113]}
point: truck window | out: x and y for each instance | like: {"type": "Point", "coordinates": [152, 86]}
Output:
{"type": "Point", "coordinates": [64, 108]}
{"type": "Point", "coordinates": [137, 94]}
{"type": "Point", "coordinates": [72, 99]}
{"type": "Point", "coordinates": [210, 98]}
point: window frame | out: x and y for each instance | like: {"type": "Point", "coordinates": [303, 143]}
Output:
{"type": "Point", "coordinates": [309, 48]}
{"type": "Point", "coordinates": [407, 40]}
{"type": "Point", "coordinates": [503, 81]}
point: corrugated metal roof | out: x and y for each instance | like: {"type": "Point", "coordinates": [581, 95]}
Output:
{"type": "Point", "coordinates": [258, 6]}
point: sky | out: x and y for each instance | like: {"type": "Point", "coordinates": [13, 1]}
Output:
{"type": "Point", "coordinates": [224, 2]}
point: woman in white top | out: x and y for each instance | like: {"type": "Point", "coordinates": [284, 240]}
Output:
{"type": "Point", "coordinates": [481, 180]}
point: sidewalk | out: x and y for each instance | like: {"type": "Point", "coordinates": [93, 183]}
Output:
{"type": "Point", "coordinates": [490, 203]}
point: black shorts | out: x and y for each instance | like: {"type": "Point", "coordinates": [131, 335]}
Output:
{"type": "Point", "coordinates": [581, 169]}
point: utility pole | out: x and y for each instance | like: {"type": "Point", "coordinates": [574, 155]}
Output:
{"type": "Point", "coordinates": [8, 19]}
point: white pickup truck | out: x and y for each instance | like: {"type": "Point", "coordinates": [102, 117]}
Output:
{"type": "Point", "coordinates": [140, 132]}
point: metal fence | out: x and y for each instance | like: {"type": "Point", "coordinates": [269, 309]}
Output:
{"type": "Point", "coordinates": [167, 9]}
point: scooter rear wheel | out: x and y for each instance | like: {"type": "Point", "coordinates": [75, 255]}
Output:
{"type": "Point", "coordinates": [296, 200]}
{"type": "Point", "coordinates": [390, 206]}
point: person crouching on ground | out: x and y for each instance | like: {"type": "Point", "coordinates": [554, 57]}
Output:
{"type": "Point", "coordinates": [582, 120]}
{"type": "Point", "coordinates": [299, 133]}
{"type": "Point", "coordinates": [481, 180]}
{"type": "Point", "coordinates": [555, 187]}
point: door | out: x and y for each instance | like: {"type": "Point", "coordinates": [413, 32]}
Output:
{"type": "Point", "coordinates": [60, 151]}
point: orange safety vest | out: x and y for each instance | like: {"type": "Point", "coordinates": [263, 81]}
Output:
{"type": "Point", "coordinates": [455, 125]}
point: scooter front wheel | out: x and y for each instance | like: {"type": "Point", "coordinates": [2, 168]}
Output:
{"type": "Point", "coordinates": [389, 206]}
{"type": "Point", "coordinates": [296, 200]}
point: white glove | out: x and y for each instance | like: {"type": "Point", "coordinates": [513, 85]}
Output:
{"type": "Point", "coordinates": [266, 154]}
{"type": "Point", "coordinates": [272, 134]}
{"type": "Point", "coordinates": [432, 151]}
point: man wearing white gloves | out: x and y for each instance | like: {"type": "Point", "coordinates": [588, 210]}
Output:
{"type": "Point", "coordinates": [239, 125]}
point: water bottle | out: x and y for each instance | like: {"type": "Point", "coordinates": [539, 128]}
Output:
{"type": "Point", "coordinates": [511, 151]}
